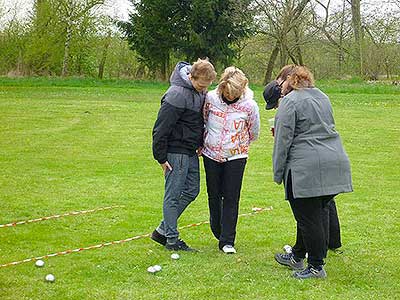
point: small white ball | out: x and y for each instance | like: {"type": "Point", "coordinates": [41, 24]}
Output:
{"type": "Point", "coordinates": [157, 268]}
{"type": "Point", "coordinates": [39, 263]}
{"type": "Point", "coordinates": [151, 269]}
{"type": "Point", "coordinates": [50, 278]}
{"type": "Point", "coordinates": [175, 256]}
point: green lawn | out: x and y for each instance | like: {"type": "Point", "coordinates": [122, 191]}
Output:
{"type": "Point", "coordinates": [68, 145]}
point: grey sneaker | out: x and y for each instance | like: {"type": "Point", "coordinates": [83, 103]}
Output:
{"type": "Point", "coordinates": [311, 272]}
{"type": "Point", "coordinates": [288, 259]}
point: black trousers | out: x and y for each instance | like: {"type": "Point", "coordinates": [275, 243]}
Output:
{"type": "Point", "coordinates": [224, 182]}
{"type": "Point", "coordinates": [334, 238]}
{"type": "Point", "coordinates": [312, 218]}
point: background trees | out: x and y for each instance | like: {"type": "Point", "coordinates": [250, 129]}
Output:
{"type": "Point", "coordinates": [159, 29]}
{"type": "Point", "coordinates": [283, 22]}
{"type": "Point", "coordinates": [335, 38]}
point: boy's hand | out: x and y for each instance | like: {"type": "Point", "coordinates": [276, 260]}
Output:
{"type": "Point", "coordinates": [166, 166]}
{"type": "Point", "coordinates": [198, 151]}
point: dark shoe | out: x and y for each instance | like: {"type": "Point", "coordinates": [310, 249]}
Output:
{"type": "Point", "coordinates": [311, 272]}
{"type": "Point", "coordinates": [159, 238]}
{"type": "Point", "coordinates": [179, 246]}
{"type": "Point", "coordinates": [288, 259]}
{"type": "Point", "coordinates": [336, 250]}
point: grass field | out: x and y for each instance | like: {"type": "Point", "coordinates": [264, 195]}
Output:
{"type": "Point", "coordinates": [68, 145]}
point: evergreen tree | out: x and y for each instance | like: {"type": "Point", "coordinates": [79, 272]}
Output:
{"type": "Point", "coordinates": [192, 28]}
{"type": "Point", "coordinates": [153, 31]}
{"type": "Point", "coordinates": [215, 26]}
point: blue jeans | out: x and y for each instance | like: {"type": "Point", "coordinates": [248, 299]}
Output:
{"type": "Point", "coordinates": [182, 185]}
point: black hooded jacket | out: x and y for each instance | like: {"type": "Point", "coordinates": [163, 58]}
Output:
{"type": "Point", "coordinates": [179, 125]}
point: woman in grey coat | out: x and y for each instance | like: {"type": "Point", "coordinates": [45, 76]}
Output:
{"type": "Point", "coordinates": [309, 159]}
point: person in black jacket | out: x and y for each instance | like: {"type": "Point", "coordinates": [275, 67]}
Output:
{"type": "Point", "coordinates": [177, 135]}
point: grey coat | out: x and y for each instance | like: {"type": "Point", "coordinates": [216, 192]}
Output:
{"type": "Point", "coordinates": [307, 143]}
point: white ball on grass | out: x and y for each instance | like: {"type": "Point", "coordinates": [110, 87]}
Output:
{"type": "Point", "coordinates": [39, 263]}
{"type": "Point", "coordinates": [50, 278]}
{"type": "Point", "coordinates": [157, 268]}
{"type": "Point", "coordinates": [151, 269]}
{"type": "Point", "coordinates": [175, 256]}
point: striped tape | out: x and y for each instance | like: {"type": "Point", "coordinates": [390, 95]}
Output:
{"type": "Point", "coordinates": [73, 213]}
{"type": "Point", "coordinates": [255, 210]}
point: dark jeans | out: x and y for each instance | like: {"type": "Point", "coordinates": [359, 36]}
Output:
{"type": "Point", "coordinates": [182, 185]}
{"type": "Point", "coordinates": [224, 182]}
{"type": "Point", "coordinates": [312, 218]}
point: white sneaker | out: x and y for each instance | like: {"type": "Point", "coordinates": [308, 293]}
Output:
{"type": "Point", "coordinates": [228, 249]}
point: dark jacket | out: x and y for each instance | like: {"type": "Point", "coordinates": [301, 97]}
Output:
{"type": "Point", "coordinates": [179, 125]}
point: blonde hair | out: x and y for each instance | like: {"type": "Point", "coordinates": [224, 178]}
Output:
{"type": "Point", "coordinates": [300, 77]}
{"type": "Point", "coordinates": [203, 69]}
{"type": "Point", "coordinates": [233, 82]}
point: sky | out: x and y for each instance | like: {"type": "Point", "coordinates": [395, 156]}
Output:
{"type": "Point", "coordinates": [120, 8]}
{"type": "Point", "coordinates": [114, 8]}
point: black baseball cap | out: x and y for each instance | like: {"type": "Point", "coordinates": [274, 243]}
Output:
{"type": "Point", "coordinates": [272, 94]}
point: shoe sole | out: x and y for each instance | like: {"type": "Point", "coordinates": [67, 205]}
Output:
{"type": "Point", "coordinates": [311, 277]}
{"type": "Point", "coordinates": [283, 263]}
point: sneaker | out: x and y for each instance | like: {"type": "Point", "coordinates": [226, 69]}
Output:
{"type": "Point", "coordinates": [311, 272]}
{"type": "Point", "coordinates": [288, 259]}
{"type": "Point", "coordinates": [228, 249]}
{"type": "Point", "coordinates": [179, 246]}
{"type": "Point", "coordinates": [159, 238]}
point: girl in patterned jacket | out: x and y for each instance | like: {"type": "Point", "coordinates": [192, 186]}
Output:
{"type": "Point", "coordinates": [232, 122]}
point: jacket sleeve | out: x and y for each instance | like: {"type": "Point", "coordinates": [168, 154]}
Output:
{"type": "Point", "coordinates": [285, 121]}
{"type": "Point", "coordinates": [254, 122]}
{"type": "Point", "coordinates": [167, 117]}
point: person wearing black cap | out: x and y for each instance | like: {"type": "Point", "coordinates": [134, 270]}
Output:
{"type": "Point", "coordinates": [273, 90]}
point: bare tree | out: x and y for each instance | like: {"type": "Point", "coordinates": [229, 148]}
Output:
{"type": "Point", "coordinates": [334, 25]}
{"type": "Point", "coordinates": [383, 32]}
{"type": "Point", "coordinates": [278, 19]}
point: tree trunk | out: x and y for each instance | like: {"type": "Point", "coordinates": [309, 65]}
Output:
{"type": "Point", "coordinates": [165, 68]}
{"type": "Point", "coordinates": [104, 58]}
{"type": "Point", "coordinates": [357, 29]}
{"type": "Point", "coordinates": [66, 52]}
{"type": "Point", "coordinates": [271, 63]}
{"type": "Point", "coordinates": [297, 48]}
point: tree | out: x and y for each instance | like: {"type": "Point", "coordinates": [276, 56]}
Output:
{"type": "Point", "coordinates": [279, 19]}
{"type": "Point", "coordinates": [335, 26]}
{"type": "Point", "coordinates": [157, 29]}
{"type": "Point", "coordinates": [73, 14]}
{"type": "Point", "coordinates": [57, 28]}
{"type": "Point", "coordinates": [358, 34]}
{"type": "Point", "coordinates": [383, 32]}
{"type": "Point", "coordinates": [215, 28]}
{"type": "Point", "coordinates": [153, 31]}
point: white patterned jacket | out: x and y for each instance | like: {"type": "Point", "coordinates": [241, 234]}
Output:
{"type": "Point", "coordinates": [229, 129]}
